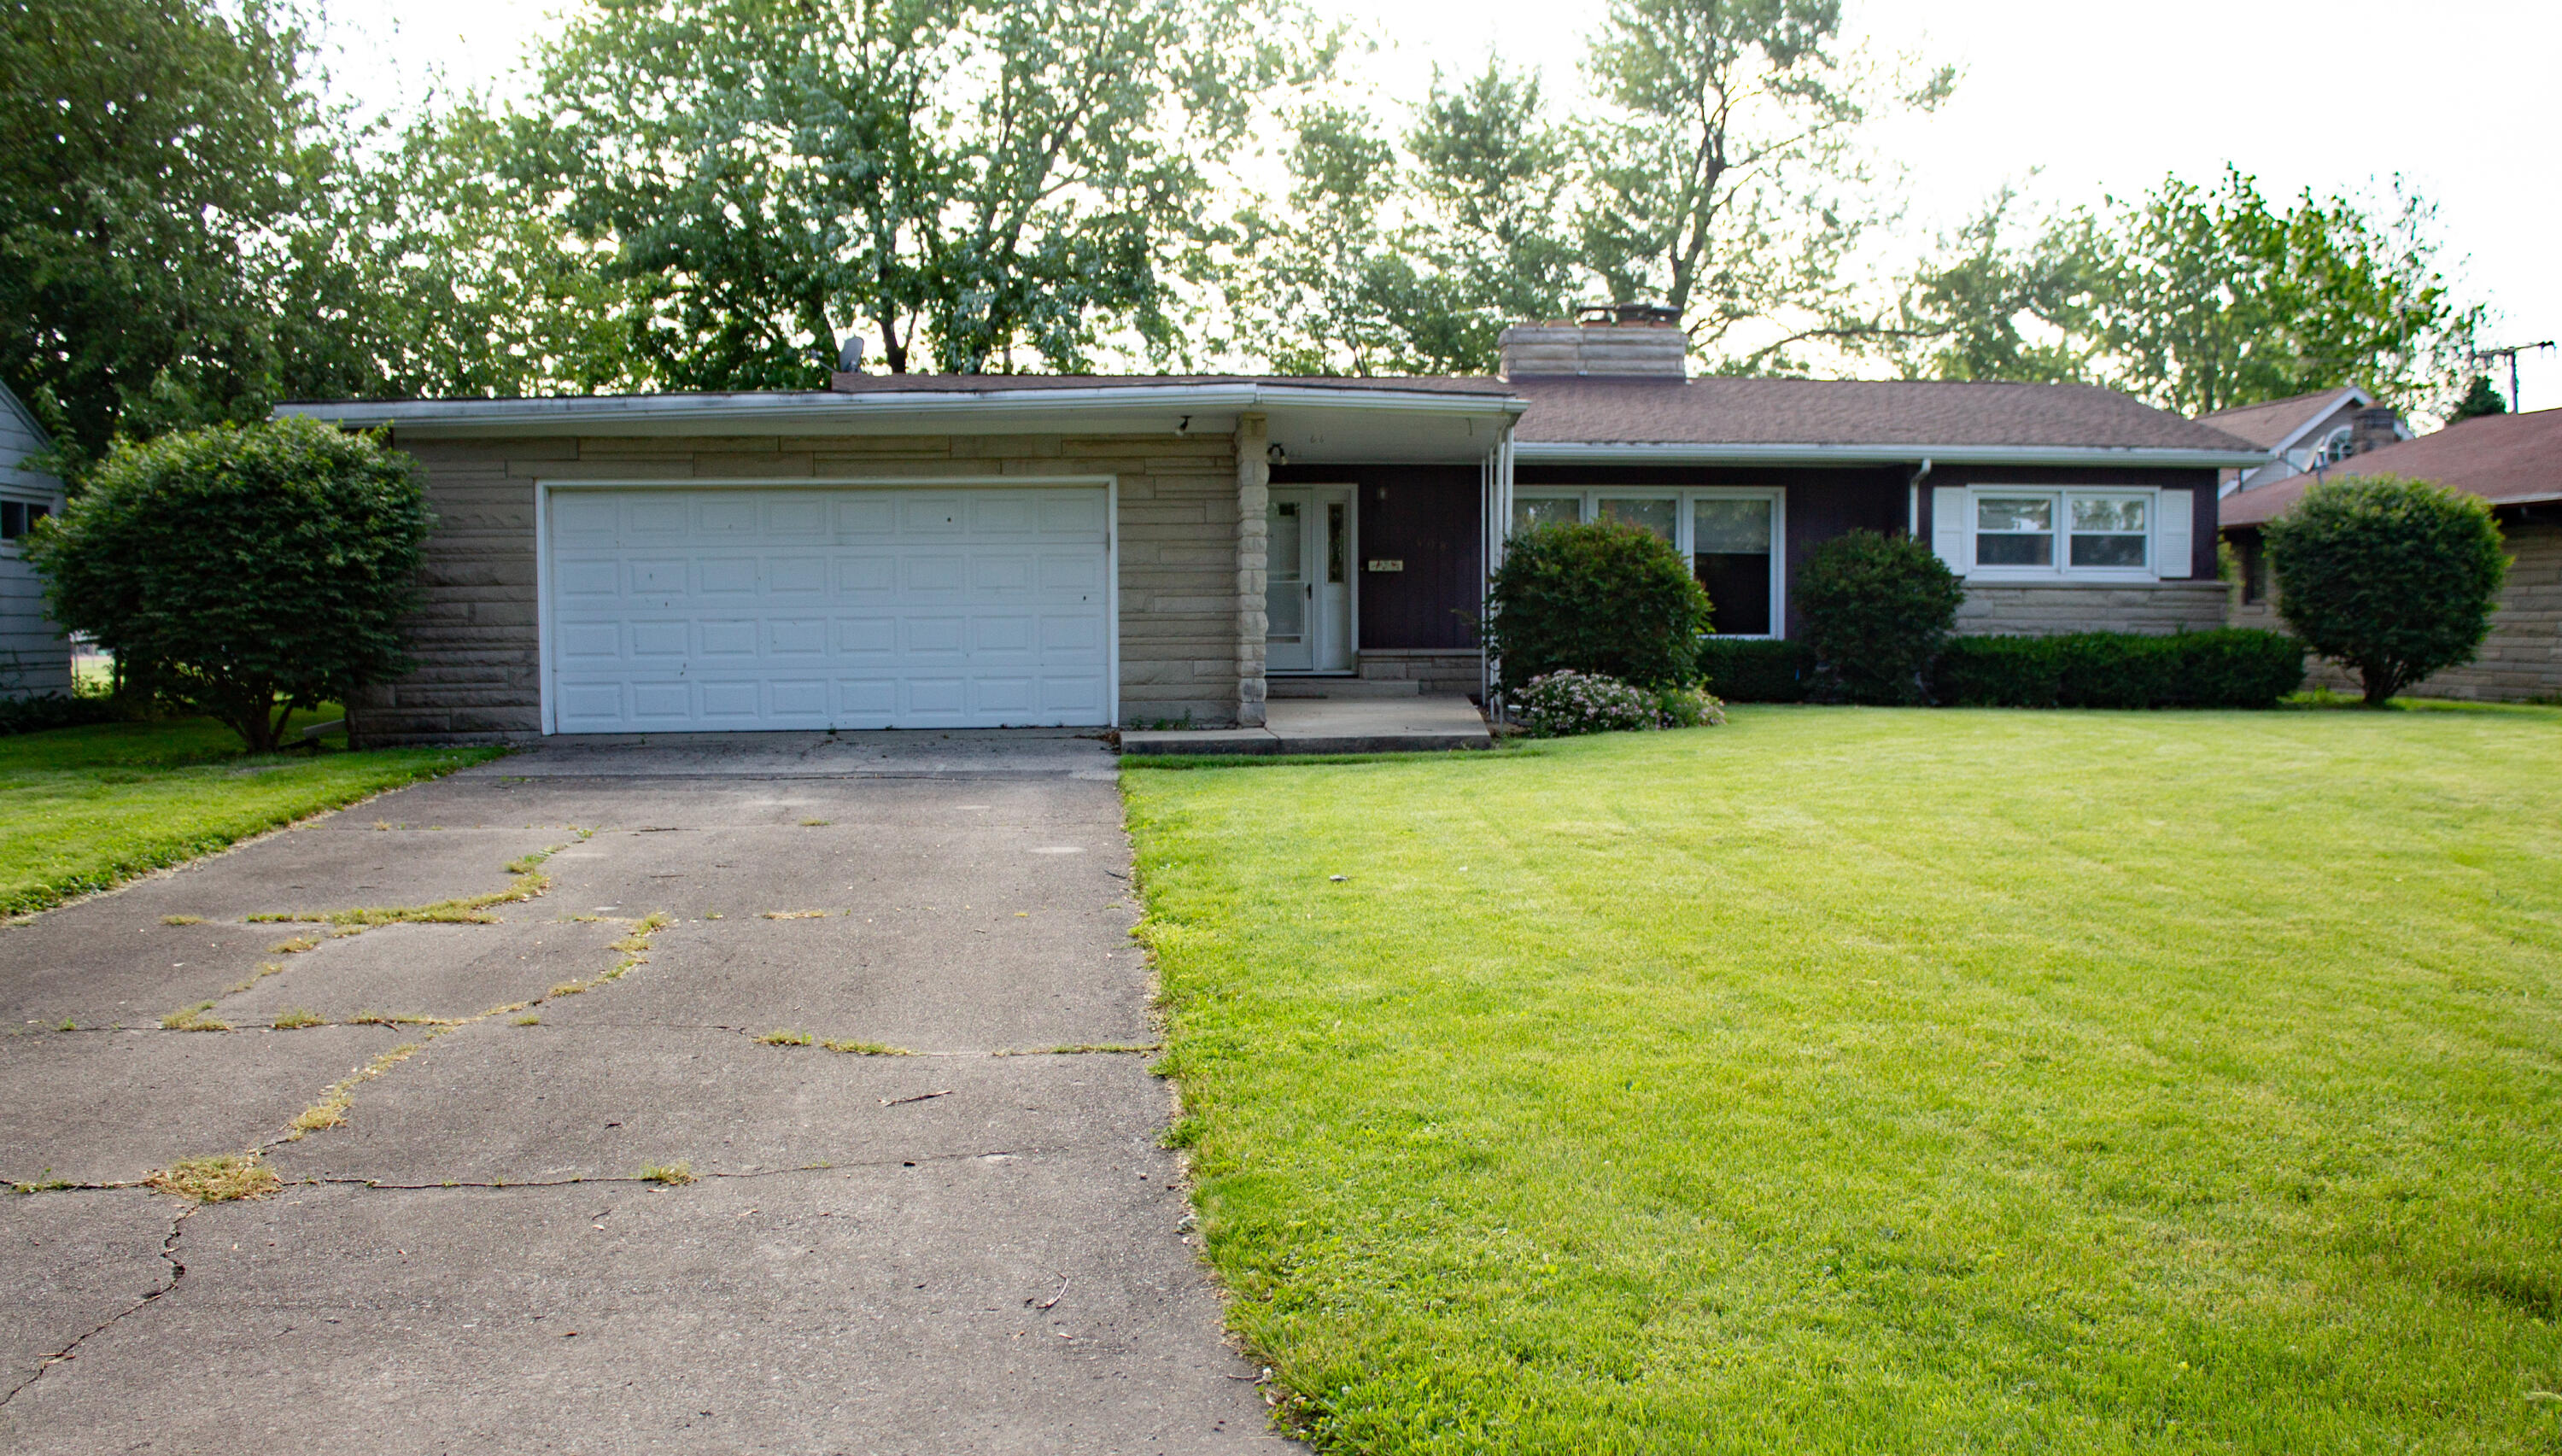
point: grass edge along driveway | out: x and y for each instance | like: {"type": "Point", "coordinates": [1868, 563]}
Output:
{"type": "Point", "coordinates": [1859, 1080]}
{"type": "Point", "coordinates": [83, 809]}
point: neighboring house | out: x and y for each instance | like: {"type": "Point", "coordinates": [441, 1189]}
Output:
{"type": "Point", "coordinates": [34, 657]}
{"type": "Point", "coordinates": [2307, 434]}
{"type": "Point", "coordinates": [2515, 461]}
{"type": "Point", "coordinates": [942, 551]}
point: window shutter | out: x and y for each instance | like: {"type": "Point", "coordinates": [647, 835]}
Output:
{"type": "Point", "coordinates": [1948, 525]}
{"type": "Point", "coordinates": [2172, 534]}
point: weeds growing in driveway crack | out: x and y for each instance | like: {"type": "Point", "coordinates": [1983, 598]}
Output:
{"type": "Point", "coordinates": [294, 946]}
{"type": "Point", "coordinates": [218, 1179]}
{"type": "Point", "coordinates": [194, 1018]}
{"type": "Point", "coordinates": [331, 1110]}
{"type": "Point", "coordinates": [529, 884]}
{"type": "Point", "coordinates": [182, 920]}
{"type": "Point", "coordinates": [296, 1019]}
{"type": "Point", "coordinates": [673, 1172]}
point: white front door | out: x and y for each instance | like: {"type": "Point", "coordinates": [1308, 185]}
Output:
{"type": "Point", "coordinates": [691, 608]}
{"type": "Point", "coordinates": [1308, 592]}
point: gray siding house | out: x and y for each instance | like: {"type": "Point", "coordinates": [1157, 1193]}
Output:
{"type": "Point", "coordinates": [34, 657]}
{"type": "Point", "coordinates": [910, 551]}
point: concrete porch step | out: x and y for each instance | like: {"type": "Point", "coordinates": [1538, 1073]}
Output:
{"type": "Point", "coordinates": [1337, 688]}
{"type": "Point", "coordinates": [1414, 724]}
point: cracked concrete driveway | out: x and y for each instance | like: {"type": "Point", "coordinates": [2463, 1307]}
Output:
{"type": "Point", "coordinates": [805, 1108]}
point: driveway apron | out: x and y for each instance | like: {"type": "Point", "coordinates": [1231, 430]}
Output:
{"type": "Point", "coordinates": [800, 1104]}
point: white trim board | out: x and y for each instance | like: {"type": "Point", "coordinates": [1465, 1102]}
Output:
{"type": "Point", "coordinates": [1110, 485]}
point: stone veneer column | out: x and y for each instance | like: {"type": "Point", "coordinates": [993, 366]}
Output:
{"type": "Point", "coordinates": [1253, 498]}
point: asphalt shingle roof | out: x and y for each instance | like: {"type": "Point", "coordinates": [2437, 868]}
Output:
{"type": "Point", "coordinates": [2271, 420]}
{"type": "Point", "coordinates": [2507, 459]}
{"type": "Point", "coordinates": [1918, 412]}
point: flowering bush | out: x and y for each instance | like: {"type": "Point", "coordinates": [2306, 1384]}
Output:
{"type": "Point", "coordinates": [1688, 707]}
{"type": "Point", "coordinates": [1561, 705]}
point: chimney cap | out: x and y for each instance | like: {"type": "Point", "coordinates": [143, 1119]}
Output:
{"type": "Point", "coordinates": [1642, 314]}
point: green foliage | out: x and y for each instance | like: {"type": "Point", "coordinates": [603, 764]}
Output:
{"type": "Point", "coordinates": [1605, 598]}
{"type": "Point", "coordinates": [2393, 578]}
{"type": "Point", "coordinates": [1756, 669]}
{"type": "Point", "coordinates": [2198, 299]}
{"type": "Point", "coordinates": [1723, 176]}
{"type": "Point", "coordinates": [252, 568]}
{"type": "Point", "coordinates": [971, 185]}
{"type": "Point", "coordinates": [44, 712]}
{"type": "Point", "coordinates": [1877, 610]}
{"type": "Point", "coordinates": [188, 234]}
{"type": "Point", "coordinates": [2480, 398]}
{"type": "Point", "coordinates": [2230, 667]}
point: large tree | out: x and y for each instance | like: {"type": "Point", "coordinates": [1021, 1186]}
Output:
{"type": "Point", "coordinates": [1726, 182]}
{"type": "Point", "coordinates": [2200, 299]}
{"type": "Point", "coordinates": [967, 185]}
{"type": "Point", "coordinates": [155, 157]}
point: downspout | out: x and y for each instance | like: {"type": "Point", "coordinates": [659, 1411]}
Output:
{"type": "Point", "coordinates": [1498, 519]}
{"type": "Point", "coordinates": [1912, 499]}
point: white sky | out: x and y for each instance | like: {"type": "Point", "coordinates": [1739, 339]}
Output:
{"type": "Point", "coordinates": [2320, 93]}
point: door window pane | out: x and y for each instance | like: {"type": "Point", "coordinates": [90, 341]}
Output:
{"type": "Point", "coordinates": [1546, 510]}
{"type": "Point", "coordinates": [1285, 605]}
{"type": "Point", "coordinates": [2109, 531]}
{"type": "Point", "coordinates": [2015, 530]}
{"type": "Point", "coordinates": [1659, 516]}
{"type": "Point", "coordinates": [1730, 554]}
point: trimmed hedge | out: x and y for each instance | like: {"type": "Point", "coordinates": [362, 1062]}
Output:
{"type": "Point", "coordinates": [1756, 669]}
{"type": "Point", "coordinates": [45, 712]}
{"type": "Point", "coordinates": [2229, 667]}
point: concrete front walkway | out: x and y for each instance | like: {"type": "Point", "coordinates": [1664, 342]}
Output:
{"type": "Point", "coordinates": [932, 1215]}
{"type": "Point", "coordinates": [1406, 724]}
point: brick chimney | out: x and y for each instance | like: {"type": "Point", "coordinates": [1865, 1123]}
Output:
{"type": "Point", "coordinates": [2373, 428]}
{"type": "Point", "coordinates": [1615, 340]}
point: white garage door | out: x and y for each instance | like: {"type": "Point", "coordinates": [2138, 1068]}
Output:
{"type": "Point", "coordinates": [730, 607]}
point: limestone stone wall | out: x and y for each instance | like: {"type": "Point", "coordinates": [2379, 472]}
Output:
{"type": "Point", "coordinates": [474, 634]}
{"type": "Point", "coordinates": [2522, 658]}
{"type": "Point", "coordinates": [2047, 609]}
{"type": "Point", "coordinates": [1435, 671]}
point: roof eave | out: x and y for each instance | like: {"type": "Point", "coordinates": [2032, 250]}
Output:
{"type": "Point", "coordinates": [1679, 454]}
{"type": "Point", "coordinates": [816, 412]}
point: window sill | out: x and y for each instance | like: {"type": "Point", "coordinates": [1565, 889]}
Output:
{"type": "Point", "coordinates": [1996, 576]}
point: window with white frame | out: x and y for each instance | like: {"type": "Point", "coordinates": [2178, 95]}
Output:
{"type": "Point", "coordinates": [1732, 536]}
{"type": "Point", "coordinates": [2062, 532]}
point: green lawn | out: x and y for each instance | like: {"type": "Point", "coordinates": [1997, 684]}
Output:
{"type": "Point", "coordinates": [83, 809]}
{"type": "Point", "coordinates": [1863, 1080]}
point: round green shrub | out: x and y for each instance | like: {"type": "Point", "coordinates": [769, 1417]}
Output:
{"type": "Point", "coordinates": [1602, 598]}
{"type": "Point", "coordinates": [246, 572]}
{"type": "Point", "coordinates": [1878, 610]}
{"type": "Point", "coordinates": [2393, 578]}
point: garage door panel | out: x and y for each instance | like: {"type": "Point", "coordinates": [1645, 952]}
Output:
{"type": "Point", "coordinates": [934, 637]}
{"type": "Point", "coordinates": [725, 638]}
{"type": "Point", "coordinates": [796, 576]}
{"type": "Point", "coordinates": [858, 576]}
{"type": "Point", "coordinates": [796, 638]}
{"type": "Point", "coordinates": [867, 515]}
{"type": "Point", "coordinates": [724, 608]}
{"type": "Point", "coordinates": [661, 638]}
{"type": "Point", "coordinates": [661, 576]}
{"type": "Point", "coordinates": [934, 575]}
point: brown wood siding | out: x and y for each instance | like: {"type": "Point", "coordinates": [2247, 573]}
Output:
{"type": "Point", "coordinates": [1425, 516]}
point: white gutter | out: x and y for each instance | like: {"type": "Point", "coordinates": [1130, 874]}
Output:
{"type": "Point", "coordinates": [1557, 453]}
{"type": "Point", "coordinates": [797, 409]}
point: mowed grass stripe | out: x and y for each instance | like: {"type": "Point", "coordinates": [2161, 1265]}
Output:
{"type": "Point", "coordinates": [1864, 1080]}
{"type": "Point", "coordinates": [86, 808]}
